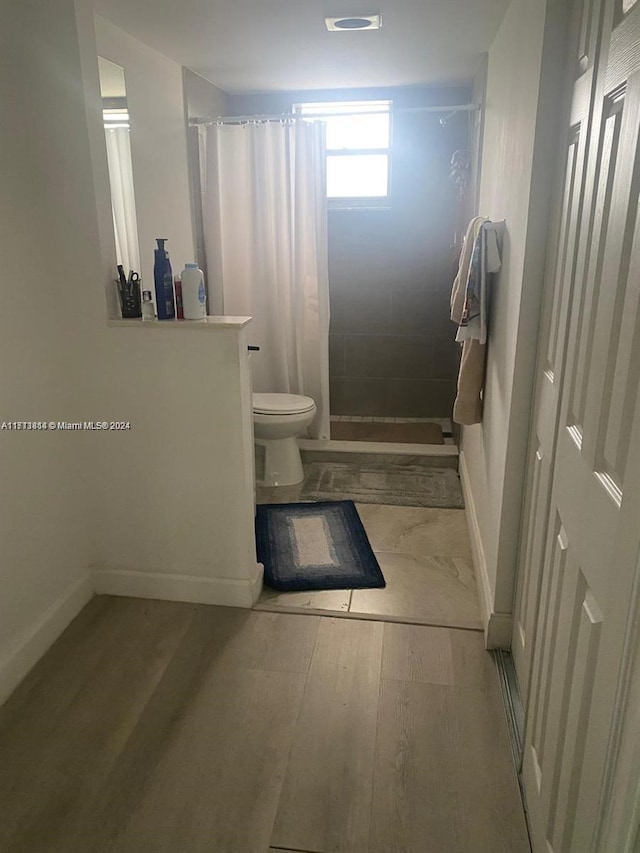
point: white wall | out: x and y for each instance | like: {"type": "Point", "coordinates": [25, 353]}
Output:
{"type": "Point", "coordinates": [174, 495]}
{"type": "Point", "coordinates": [164, 509]}
{"type": "Point", "coordinates": [49, 250]}
{"type": "Point", "coordinates": [158, 145]}
{"type": "Point", "coordinates": [525, 65]}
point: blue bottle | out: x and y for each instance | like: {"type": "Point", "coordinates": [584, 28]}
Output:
{"type": "Point", "coordinates": [163, 280]}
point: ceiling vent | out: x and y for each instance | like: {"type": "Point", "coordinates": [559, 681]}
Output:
{"type": "Point", "coordinates": [356, 22]}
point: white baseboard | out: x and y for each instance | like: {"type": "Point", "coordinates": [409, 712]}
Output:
{"type": "Point", "coordinates": [196, 590]}
{"type": "Point", "coordinates": [497, 626]}
{"type": "Point", "coordinates": [32, 643]}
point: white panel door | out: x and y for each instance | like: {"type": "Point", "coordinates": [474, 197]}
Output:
{"type": "Point", "coordinates": [589, 578]}
{"type": "Point", "coordinates": [584, 41]}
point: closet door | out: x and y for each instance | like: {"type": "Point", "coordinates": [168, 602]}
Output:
{"type": "Point", "coordinates": [588, 596]}
{"type": "Point", "coordinates": [584, 44]}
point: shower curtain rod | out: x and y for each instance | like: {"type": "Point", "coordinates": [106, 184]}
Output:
{"type": "Point", "coordinates": [454, 108]}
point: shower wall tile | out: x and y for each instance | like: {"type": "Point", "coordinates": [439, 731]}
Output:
{"type": "Point", "coordinates": [390, 277]}
{"type": "Point", "coordinates": [389, 356]}
{"type": "Point", "coordinates": [401, 335]}
{"type": "Point", "coordinates": [414, 398]}
{"type": "Point", "coordinates": [419, 311]}
{"type": "Point", "coordinates": [446, 355]}
{"type": "Point", "coordinates": [359, 312]}
{"type": "Point", "coordinates": [337, 360]}
{"type": "Point", "coordinates": [360, 396]}
{"type": "Point", "coordinates": [408, 398]}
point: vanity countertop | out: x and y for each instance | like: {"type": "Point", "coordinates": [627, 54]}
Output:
{"type": "Point", "coordinates": [211, 322]}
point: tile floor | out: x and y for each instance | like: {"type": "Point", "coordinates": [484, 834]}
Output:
{"type": "Point", "coordinates": [373, 482]}
{"type": "Point", "coordinates": [425, 556]}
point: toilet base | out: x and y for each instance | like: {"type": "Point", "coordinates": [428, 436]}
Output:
{"type": "Point", "coordinates": [282, 462]}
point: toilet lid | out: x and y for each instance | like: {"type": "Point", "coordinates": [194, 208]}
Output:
{"type": "Point", "coordinates": [281, 404]}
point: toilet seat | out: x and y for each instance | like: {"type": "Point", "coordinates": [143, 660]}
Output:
{"type": "Point", "coordinates": [282, 404]}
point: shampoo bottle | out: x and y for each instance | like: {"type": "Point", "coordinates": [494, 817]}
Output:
{"type": "Point", "coordinates": [163, 280]}
{"type": "Point", "coordinates": [194, 297]}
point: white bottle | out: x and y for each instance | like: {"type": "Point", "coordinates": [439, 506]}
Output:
{"type": "Point", "coordinates": [148, 312]}
{"type": "Point", "coordinates": [194, 298]}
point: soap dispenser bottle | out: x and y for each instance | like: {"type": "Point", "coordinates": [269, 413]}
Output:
{"type": "Point", "coordinates": [163, 280]}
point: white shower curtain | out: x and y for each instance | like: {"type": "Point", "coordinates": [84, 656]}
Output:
{"type": "Point", "coordinates": [122, 198]}
{"type": "Point", "coordinates": [265, 225]}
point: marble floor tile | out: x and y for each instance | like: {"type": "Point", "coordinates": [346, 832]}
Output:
{"type": "Point", "coordinates": [329, 599]}
{"type": "Point", "coordinates": [278, 494]}
{"type": "Point", "coordinates": [422, 531]}
{"type": "Point", "coordinates": [286, 494]}
{"type": "Point", "coordinates": [425, 556]}
{"type": "Point", "coordinates": [435, 590]}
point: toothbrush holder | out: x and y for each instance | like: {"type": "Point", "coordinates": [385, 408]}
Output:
{"type": "Point", "coordinates": [130, 302]}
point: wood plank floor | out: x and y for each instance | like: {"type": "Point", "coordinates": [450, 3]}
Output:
{"type": "Point", "coordinates": [161, 727]}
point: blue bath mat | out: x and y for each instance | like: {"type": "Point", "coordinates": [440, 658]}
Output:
{"type": "Point", "coordinates": [315, 546]}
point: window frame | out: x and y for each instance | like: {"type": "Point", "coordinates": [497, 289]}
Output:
{"type": "Point", "coordinates": [382, 202]}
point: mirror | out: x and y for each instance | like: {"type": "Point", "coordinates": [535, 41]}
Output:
{"type": "Point", "coordinates": [115, 113]}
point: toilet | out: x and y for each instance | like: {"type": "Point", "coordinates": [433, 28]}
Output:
{"type": "Point", "coordinates": [277, 420]}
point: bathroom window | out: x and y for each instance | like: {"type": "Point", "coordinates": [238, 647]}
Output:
{"type": "Point", "coordinates": [358, 149]}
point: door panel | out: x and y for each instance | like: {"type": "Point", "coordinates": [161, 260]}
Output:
{"type": "Point", "coordinates": [588, 579]}
{"type": "Point", "coordinates": [560, 275]}
{"type": "Point", "coordinates": [559, 719]}
{"type": "Point", "coordinates": [585, 317]}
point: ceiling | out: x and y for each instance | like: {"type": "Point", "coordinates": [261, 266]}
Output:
{"type": "Point", "coordinates": [270, 45]}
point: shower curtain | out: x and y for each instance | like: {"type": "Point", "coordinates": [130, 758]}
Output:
{"type": "Point", "coordinates": [123, 202]}
{"type": "Point", "coordinates": [265, 233]}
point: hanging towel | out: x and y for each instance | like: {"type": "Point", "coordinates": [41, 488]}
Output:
{"type": "Point", "coordinates": [480, 258]}
{"type": "Point", "coordinates": [459, 292]}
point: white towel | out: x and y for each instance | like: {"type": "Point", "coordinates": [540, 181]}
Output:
{"type": "Point", "coordinates": [469, 306]}
{"type": "Point", "coordinates": [485, 259]}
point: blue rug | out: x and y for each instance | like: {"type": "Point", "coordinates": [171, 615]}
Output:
{"type": "Point", "coordinates": [315, 546]}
